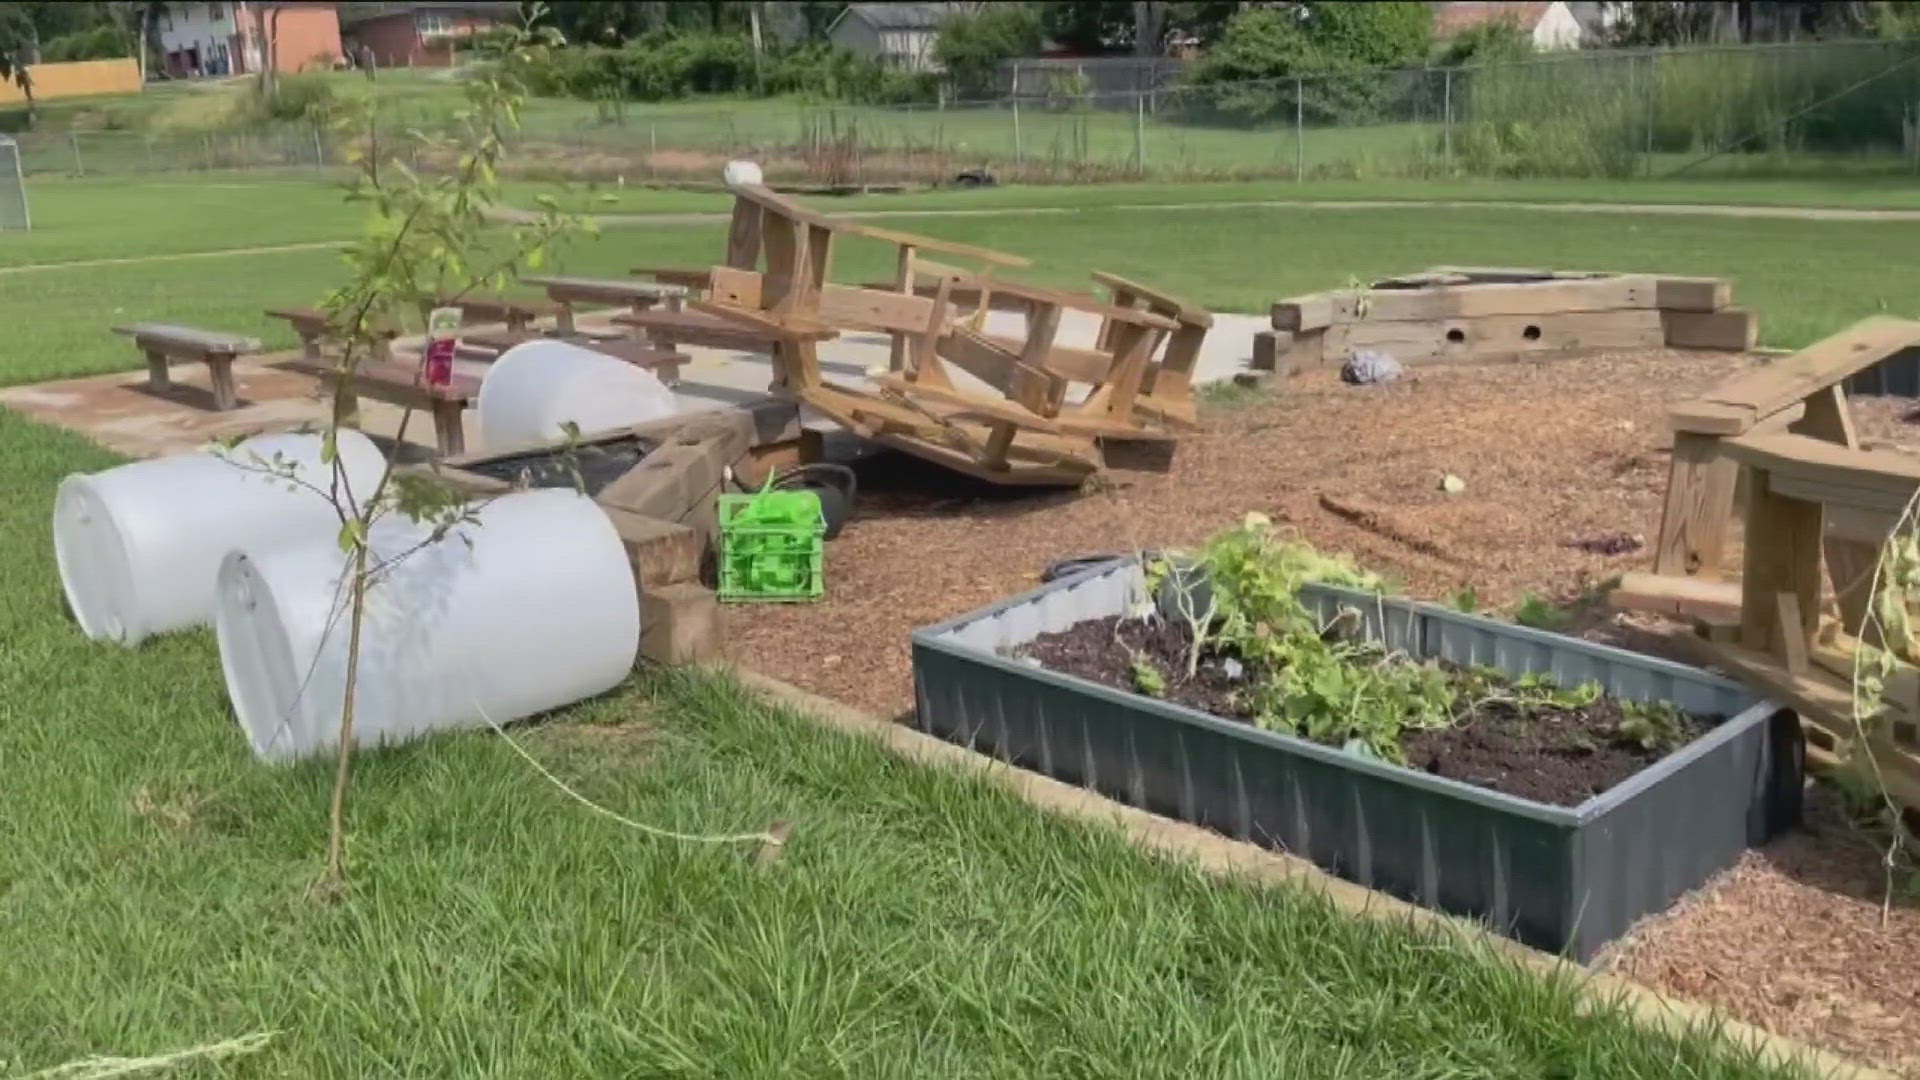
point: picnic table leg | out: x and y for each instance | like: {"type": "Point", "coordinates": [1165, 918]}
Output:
{"type": "Point", "coordinates": [158, 377]}
{"type": "Point", "coordinates": [310, 345]}
{"type": "Point", "coordinates": [447, 428]}
{"type": "Point", "coordinates": [563, 322]}
{"type": "Point", "coordinates": [220, 371]}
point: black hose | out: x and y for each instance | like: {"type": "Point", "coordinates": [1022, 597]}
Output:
{"type": "Point", "coordinates": [836, 493]}
{"type": "Point", "coordinates": [1057, 570]}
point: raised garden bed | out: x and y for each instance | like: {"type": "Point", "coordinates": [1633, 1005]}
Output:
{"type": "Point", "coordinates": [1566, 878]}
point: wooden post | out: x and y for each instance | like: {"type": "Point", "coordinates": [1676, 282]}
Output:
{"type": "Point", "coordinates": [1783, 556]}
{"type": "Point", "coordinates": [903, 283]}
{"type": "Point", "coordinates": [1693, 523]}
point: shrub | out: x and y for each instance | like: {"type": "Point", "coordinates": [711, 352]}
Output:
{"type": "Point", "coordinates": [98, 43]}
{"type": "Point", "coordinates": [662, 67]}
{"type": "Point", "coordinates": [1338, 46]}
{"type": "Point", "coordinates": [972, 47]}
{"type": "Point", "coordinates": [305, 96]}
{"type": "Point", "coordinates": [1500, 41]}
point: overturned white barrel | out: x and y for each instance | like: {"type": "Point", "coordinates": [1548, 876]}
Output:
{"type": "Point", "coordinates": [139, 545]}
{"type": "Point", "coordinates": [529, 607]}
{"type": "Point", "coordinates": [534, 389]}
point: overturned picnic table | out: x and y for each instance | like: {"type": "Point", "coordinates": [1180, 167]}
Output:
{"type": "Point", "coordinates": [166, 344]}
{"type": "Point", "coordinates": [637, 296]}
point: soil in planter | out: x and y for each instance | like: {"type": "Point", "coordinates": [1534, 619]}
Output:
{"type": "Point", "coordinates": [1549, 753]}
{"type": "Point", "coordinates": [597, 464]}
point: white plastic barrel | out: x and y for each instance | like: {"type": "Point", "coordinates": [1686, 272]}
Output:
{"type": "Point", "coordinates": [528, 608]}
{"type": "Point", "coordinates": [535, 388]}
{"type": "Point", "coordinates": [139, 545]}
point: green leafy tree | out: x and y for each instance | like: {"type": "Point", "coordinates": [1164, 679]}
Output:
{"type": "Point", "coordinates": [1336, 46]}
{"type": "Point", "coordinates": [972, 46]}
{"type": "Point", "coordinates": [19, 50]}
{"type": "Point", "coordinates": [1089, 27]}
{"type": "Point", "coordinates": [1369, 35]}
{"type": "Point", "coordinates": [1500, 41]}
{"type": "Point", "coordinates": [428, 241]}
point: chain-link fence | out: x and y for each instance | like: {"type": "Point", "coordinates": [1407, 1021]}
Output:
{"type": "Point", "coordinates": [1816, 109]}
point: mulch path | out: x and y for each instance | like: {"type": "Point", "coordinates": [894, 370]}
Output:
{"type": "Point", "coordinates": [1551, 453]}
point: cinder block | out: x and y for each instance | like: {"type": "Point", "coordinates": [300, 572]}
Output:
{"type": "Point", "coordinates": [1268, 347]}
{"type": "Point", "coordinates": [679, 624]}
{"type": "Point", "coordinates": [662, 553]}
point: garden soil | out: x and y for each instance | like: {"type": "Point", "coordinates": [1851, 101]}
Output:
{"type": "Point", "coordinates": [1551, 453]}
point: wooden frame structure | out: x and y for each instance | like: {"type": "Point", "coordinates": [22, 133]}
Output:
{"type": "Point", "coordinates": [1819, 509]}
{"type": "Point", "coordinates": [775, 288]}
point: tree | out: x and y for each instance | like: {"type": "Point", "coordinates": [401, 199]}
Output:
{"type": "Point", "coordinates": [972, 46]}
{"type": "Point", "coordinates": [1089, 27]}
{"type": "Point", "coordinates": [1339, 45]}
{"type": "Point", "coordinates": [1368, 35]}
{"type": "Point", "coordinates": [1499, 41]}
{"type": "Point", "coordinates": [19, 51]}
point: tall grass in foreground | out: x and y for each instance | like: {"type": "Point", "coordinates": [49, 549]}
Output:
{"type": "Point", "coordinates": [921, 924]}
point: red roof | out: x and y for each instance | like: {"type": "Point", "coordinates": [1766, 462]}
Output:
{"type": "Point", "coordinates": [1451, 19]}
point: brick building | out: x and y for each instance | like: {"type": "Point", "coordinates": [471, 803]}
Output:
{"type": "Point", "coordinates": [417, 34]}
{"type": "Point", "coordinates": [223, 38]}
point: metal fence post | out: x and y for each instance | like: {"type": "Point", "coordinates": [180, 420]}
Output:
{"type": "Point", "coordinates": [1019, 158]}
{"type": "Point", "coordinates": [319, 149]}
{"type": "Point", "coordinates": [1446, 104]}
{"type": "Point", "coordinates": [1140, 133]}
{"type": "Point", "coordinates": [1299, 129]}
{"type": "Point", "coordinates": [79, 166]}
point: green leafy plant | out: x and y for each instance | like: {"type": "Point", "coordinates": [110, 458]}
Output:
{"type": "Point", "coordinates": [428, 241]}
{"type": "Point", "coordinates": [1146, 677]}
{"type": "Point", "coordinates": [1653, 725]}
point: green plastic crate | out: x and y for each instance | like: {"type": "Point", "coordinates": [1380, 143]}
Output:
{"type": "Point", "coordinates": [770, 547]}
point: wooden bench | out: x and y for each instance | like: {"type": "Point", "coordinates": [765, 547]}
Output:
{"type": "Point", "coordinates": [667, 329]}
{"type": "Point", "coordinates": [401, 384]}
{"type": "Point", "coordinates": [311, 325]}
{"type": "Point", "coordinates": [165, 344]}
{"type": "Point", "coordinates": [638, 296]}
{"type": "Point", "coordinates": [663, 362]}
{"type": "Point", "coordinates": [516, 313]}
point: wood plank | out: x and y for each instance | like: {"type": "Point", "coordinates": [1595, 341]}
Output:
{"type": "Point", "coordinates": [1711, 418]}
{"type": "Point", "coordinates": [1725, 330]}
{"type": "Point", "coordinates": [604, 290]}
{"type": "Point", "coordinates": [930, 243]}
{"type": "Point", "coordinates": [1312, 312]}
{"type": "Point", "coordinates": [1692, 293]}
{"type": "Point", "coordinates": [1782, 555]}
{"type": "Point", "coordinates": [1193, 313]}
{"type": "Point", "coordinates": [1678, 597]}
{"type": "Point", "coordinates": [1541, 298]}
{"type": "Point", "coordinates": [987, 360]}
{"type": "Point", "coordinates": [971, 406]}
{"type": "Point", "coordinates": [1037, 393]}
{"type": "Point", "coordinates": [1790, 643]}
{"type": "Point", "coordinates": [873, 309]}
{"type": "Point", "coordinates": [1495, 337]}
{"type": "Point", "coordinates": [1873, 479]}
{"type": "Point", "coordinates": [1774, 386]}
{"type": "Point", "coordinates": [1070, 362]}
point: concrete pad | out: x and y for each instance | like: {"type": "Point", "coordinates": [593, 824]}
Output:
{"type": "Point", "coordinates": [119, 412]}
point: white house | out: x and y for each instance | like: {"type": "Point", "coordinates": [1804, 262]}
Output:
{"type": "Point", "coordinates": [1552, 26]}
{"type": "Point", "coordinates": [899, 34]}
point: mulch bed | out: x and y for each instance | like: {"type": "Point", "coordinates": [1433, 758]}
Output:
{"type": "Point", "coordinates": [1551, 453]}
{"type": "Point", "coordinates": [1551, 753]}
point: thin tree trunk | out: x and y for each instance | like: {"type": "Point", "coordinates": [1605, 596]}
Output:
{"type": "Point", "coordinates": [336, 875]}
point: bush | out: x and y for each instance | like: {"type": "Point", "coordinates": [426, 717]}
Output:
{"type": "Point", "coordinates": [663, 67]}
{"type": "Point", "coordinates": [306, 96]}
{"type": "Point", "coordinates": [972, 47]}
{"type": "Point", "coordinates": [98, 43]}
{"type": "Point", "coordinates": [1337, 46]}
{"type": "Point", "coordinates": [1500, 41]}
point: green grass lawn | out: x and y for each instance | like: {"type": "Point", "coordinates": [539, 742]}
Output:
{"type": "Point", "coordinates": [1807, 278]}
{"type": "Point", "coordinates": [154, 895]}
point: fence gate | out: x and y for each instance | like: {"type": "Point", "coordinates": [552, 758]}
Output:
{"type": "Point", "coordinates": [13, 189]}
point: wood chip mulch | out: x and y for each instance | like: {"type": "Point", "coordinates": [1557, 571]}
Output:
{"type": "Point", "coordinates": [1552, 454]}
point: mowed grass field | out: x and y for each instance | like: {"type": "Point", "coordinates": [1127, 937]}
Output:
{"type": "Point", "coordinates": [140, 249]}
{"type": "Point", "coordinates": [154, 878]}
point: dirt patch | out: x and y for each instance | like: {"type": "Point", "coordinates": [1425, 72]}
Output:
{"type": "Point", "coordinates": [1792, 940]}
{"type": "Point", "coordinates": [1549, 752]}
{"type": "Point", "coordinates": [1550, 452]}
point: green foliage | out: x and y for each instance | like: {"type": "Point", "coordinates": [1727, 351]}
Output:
{"type": "Point", "coordinates": [1146, 677]}
{"type": "Point", "coordinates": [1089, 27]}
{"type": "Point", "coordinates": [1467, 600]}
{"type": "Point", "coordinates": [1339, 45]}
{"type": "Point", "coordinates": [972, 46]}
{"type": "Point", "coordinates": [665, 67]}
{"type": "Point", "coordinates": [1654, 725]}
{"type": "Point", "coordinates": [1541, 613]}
{"type": "Point", "coordinates": [1499, 41]}
{"type": "Point", "coordinates": [103, 42]}
{"type": "Point", "coordinates": [306, 96]}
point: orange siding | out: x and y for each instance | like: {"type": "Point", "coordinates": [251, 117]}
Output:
{"type": "Point", "coordinates": [81, 78]}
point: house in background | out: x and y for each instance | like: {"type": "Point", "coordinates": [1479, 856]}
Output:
{"type": "Point", "coordinates": [212, 39]}
{"type": "Point", "coordinates": [418, 35]}
{"type": "Point", "coordinates": [900, 35]}
{"type": "Point", "coordinates": [1552, 26]}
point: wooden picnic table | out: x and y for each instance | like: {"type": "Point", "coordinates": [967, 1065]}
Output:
{"type": "Point", "coordinates": [637, 296]}
{"type": "Point", "coordinates": [401, 383]}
